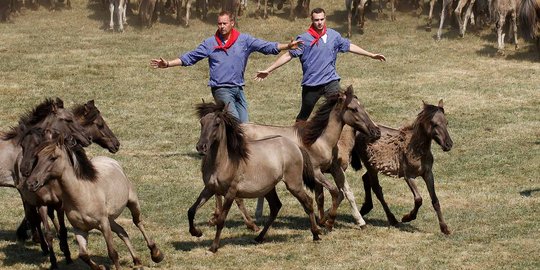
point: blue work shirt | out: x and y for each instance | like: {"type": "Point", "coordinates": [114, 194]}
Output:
{"type": "Point", "coordinates": [319, 61]}
{"type": "Point", "coordinates": [227, 68]}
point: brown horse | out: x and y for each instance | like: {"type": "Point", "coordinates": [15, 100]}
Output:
{"type": "Point", "coordinates": [404, 152]}
{"type": "Point", "coordinates": [237, 168]}
{"type": "Point", "coordinates": [87, 120]}
{"type": "Point", "coordinates": [529, 20]}
{"type": "Point", "coordinates": [93, 193]}
{"type": "Point", "coordinates": [319, 136]}
{"type": "Point", "coordinates": [501, 10]}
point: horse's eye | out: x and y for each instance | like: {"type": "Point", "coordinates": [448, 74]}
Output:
{"type": "Point", "coordinates": [354, 110]}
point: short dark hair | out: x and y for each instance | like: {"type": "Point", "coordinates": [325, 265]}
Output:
{"type": "Point", "coordinates": [317, 10]}
{"type": "Point", "coordinates": [228, 13]}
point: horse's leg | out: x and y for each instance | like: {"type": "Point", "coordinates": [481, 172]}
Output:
{"type": "Point", "coordinates": [274, 204]}
{"type": "Point", "coordinates": [48, 235]}
{"type": "Point", "coordinates": [392, 10]}
{"type": "Point", "coordinates": [377, 189]}
{"type": "Point", "coordinates": [22, 234]}
{"type": "Point", "coordinates": [514, 28]}
{"type": "Point", "coordinates": [116, 228]}
{"type": "Point", "coordinates": [82, 240]}
{"type": "Point", "coordinates": [259, 209]}
{"type": "Point", "coordinates": [245, 215]}
{"type": "Point", "coordinates": [35, 224]}
{"type": "Point", "coordinates": [430, 16]}
{"type": "Point", "coordinates": [446, 3]}
{"type": "Point", "coordinates": [430, 183]}
{"type": "Point", "coordinates": [298, 191]}
{"type": "Point", "coordinates": [343, 185]}
{"type": "Point", "coordinates": [201, 200]}
{"type": "Point", "coordinates": [188, 10]}
{"type": "Point", "coordinates": [217, 210]}
{"type": "Point", "coordinates": [334, 192]}
{"type": "Point", "coordinates": [500, 34]}
{"type": "Point", "coordinates": [229, 198]}
{"type": "Point", "coordinates": [121, 15]}
{"type": "Point", "coordinates": [457, 13]}
{"type": "Point", "coordinates": [349, 4]}
{"type": "Point", "coordinates": [105, 228]}
{"type": "Point", "coordinates": [62, 234]}
{"type": "Point", "coordinates": [135, 209]}
{"type": "Point", "coordinates": [417, 200]}
{"type": "Point", "coordinates": [368, 200]}
{"type": "Point", "coordinates": [111, 12]}
{"type": "Point", "coordinates": [319, 199]}
{"type": "Point", "coordinates": [361, 13]}
{"type": "Point", "coordinates": [468, 15]}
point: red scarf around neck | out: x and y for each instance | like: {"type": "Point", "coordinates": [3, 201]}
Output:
{"type": "Point", "coordinates": [233, 36]}
{"type": "Point", "coordinates": [316, 35]}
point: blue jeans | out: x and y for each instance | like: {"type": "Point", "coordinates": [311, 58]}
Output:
{"type": "Point", "coordinates": [234, 96]}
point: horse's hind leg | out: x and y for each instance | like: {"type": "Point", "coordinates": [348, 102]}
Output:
{"type": "Point", "coordinates": [48, 236]}
{"type": "Point", "coordinates": [334, 192]}
{"type": "Point", "coordinates": [275, 205]}
{"type": "Point", "coordinates": [343, 185]}
{"type": "Point", "coordinates": [135, 209]}
{"type": "Point", "coordinates": [430, 183]}
{"type": "Point", "coordinates": [307, 203]}
{"type": "Point", "coordinates": [245, 215]}
{"type": "Point", "coordinates": [368, 200]}
{"type": "Point", "coordinates": [377, 189]}
{"type": "Point", "coordinates": [115, 227]}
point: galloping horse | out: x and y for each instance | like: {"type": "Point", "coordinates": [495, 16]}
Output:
{"type": "Point", "coordinates": [529, 20]}
{"type": "Point", "coordinates": [93, 193]}
{"type": "Point", "coordinates": [234, 167]}
{"type": "Point", "coordinates": [319, 136]}
{"type": "Point", "coordinates": [404, 152]}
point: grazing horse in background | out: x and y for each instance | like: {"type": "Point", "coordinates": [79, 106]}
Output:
{"type": "Point", "coordinates": [302, 7]}
{"type": "Point", "coordinates": [319, 136]}
{"type": "Point", "coordinates": [404, 152]}
{"type": "Point", "coordinates": [501, 9]}
{"type": "Point", "coordinates": [93, 193]}
{"type": "Point", "coordinates": [182, 6]}
{"type": "Point", "coordinates": [118, 8]}
{"type": "Point", "coordinates": [234, 167]}
{"type": "Point", "coordinates": [355, 8]}
{"type": "Point", "coordinates": [148, 12]}
{"type": "Point", "coordinates": [529, 20]}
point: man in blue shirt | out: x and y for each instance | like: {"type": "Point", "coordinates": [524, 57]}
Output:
{"type": "Point", "coordinates": [318, 58]}
{"type": "Point", "coordinates": [227, 52]}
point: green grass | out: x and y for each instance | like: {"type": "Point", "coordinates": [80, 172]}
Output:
{"type": "Point", "coordinates": [488, 185]}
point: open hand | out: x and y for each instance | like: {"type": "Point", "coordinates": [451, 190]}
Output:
{"type": "Point", "coordinates": [379, 57]}
{"type": "Point", "coordinates": [261, 75]}
{"type": "Point", "coordinates": [159, 63]}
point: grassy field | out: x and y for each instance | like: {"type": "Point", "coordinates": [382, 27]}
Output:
{"type": "Point", "coordinates": [488, 185]}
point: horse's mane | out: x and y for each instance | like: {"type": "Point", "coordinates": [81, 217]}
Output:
{"type": "Point", "coordinates": [236, 141]}
{"type": "Point", "coordinates": [424, 116]}
{"type": "Point", "coordinates": [32, 117]}
{"type": "Point", "coordinates": [80, 111]}
{"type": "Point", "coordinates": [83, 167]}
{"type": "Point", "coordinates": [309, 131]}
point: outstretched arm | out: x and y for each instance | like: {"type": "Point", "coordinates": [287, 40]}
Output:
{"type": "Point", "coordinates": [290, 46]}
{"type": "Point", "coordinates": [162, 63]}
{"type": "Point", "coordinates": [357, 50]}
{"type": "Point", "coordinates": [282, 60]}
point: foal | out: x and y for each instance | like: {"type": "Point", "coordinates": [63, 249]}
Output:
{"type": "Point", "coordinates": [236, 168]}
{"type": "Point", "coordinates": [404, 152]}
{"type": "Point", "coordinates": [93, 192]}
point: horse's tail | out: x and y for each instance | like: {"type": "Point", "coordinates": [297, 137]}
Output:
{"type": "Point", "coordinates": [356, 164]}
{"type": "Point", "coordinates": [308, 175]}
{"type": "Point", "coordinates": [528, 18]}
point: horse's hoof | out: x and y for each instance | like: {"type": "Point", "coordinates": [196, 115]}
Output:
{"type": "Point", "coordinates": [363, 227]}
{"type": "Point", "coordinates": [407, 218]}
{"type": "Point", "coordinates": [254, 228]}
{"type": "Point", "coordinates": [157, 255]}
{"type": "Point", "coordinates": [259, 239]}
{"type": "Point", "coordinates": [316, 237]}
{"type": "Point", "coordinates": [69, 260]}
{"type": "Point", "coordinates": [196, 232]}
{"type": "Point", "coordinates": [444, 229]}
{"type": "Point", "coordinates": [428, 28]}
{"type": "Point", "coordinates": [103, 267]}
{"type": "Point", "coordinates": [213, 249]}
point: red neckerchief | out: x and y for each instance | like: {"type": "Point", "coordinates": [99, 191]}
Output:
{"type": "Point", "coordinates": [316, 35]}
{"type": "Point", "coordinates": [232, 39]}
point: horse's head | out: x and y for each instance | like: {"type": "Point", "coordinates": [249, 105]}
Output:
{"type": "Point", "coordinates": [63, 120]}
{"type": "Point", "coordinates": [436, 125]}
{"type": "Point", "coordinates": [210, 126]}
{"type": "Point", "coordinates": [29, 141]}
{"type": "Point", "coordinates": [95, 126]}
{"type": "Point", "coordinates": [354, 115]}
{"type": "Point", "coordinates": [49, 156]}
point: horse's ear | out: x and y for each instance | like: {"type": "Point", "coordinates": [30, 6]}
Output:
{"type": "Point", "coordinates": [441, 103]}
{"type": "Point", "coordinates": [91, 103]}
{"type": "Point", "coordinates": [59, 103]}
{"type": "Point", "coordinates": [350, 90]}
{"type": "Point", "coordinates": [48, 134]}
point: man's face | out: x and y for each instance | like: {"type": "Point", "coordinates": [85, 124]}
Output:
{"type": "Point", "coordinates": [318, 20]}
{"type": "Point", "coordinates": [225, 25]}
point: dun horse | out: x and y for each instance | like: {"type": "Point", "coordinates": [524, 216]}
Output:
{"type": "Point", "coordinates": [529, 20]}
{"type": "Point", "coordinates": [91, 123]}
{"type": "Point", "coordinates": [404, 152]}
{"type": "Point", "coordinates": [93, 193]}
{"type": "Point", "coordinates": [234, 167]}
{"type": "Point", "coordinates": [320, 136]}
